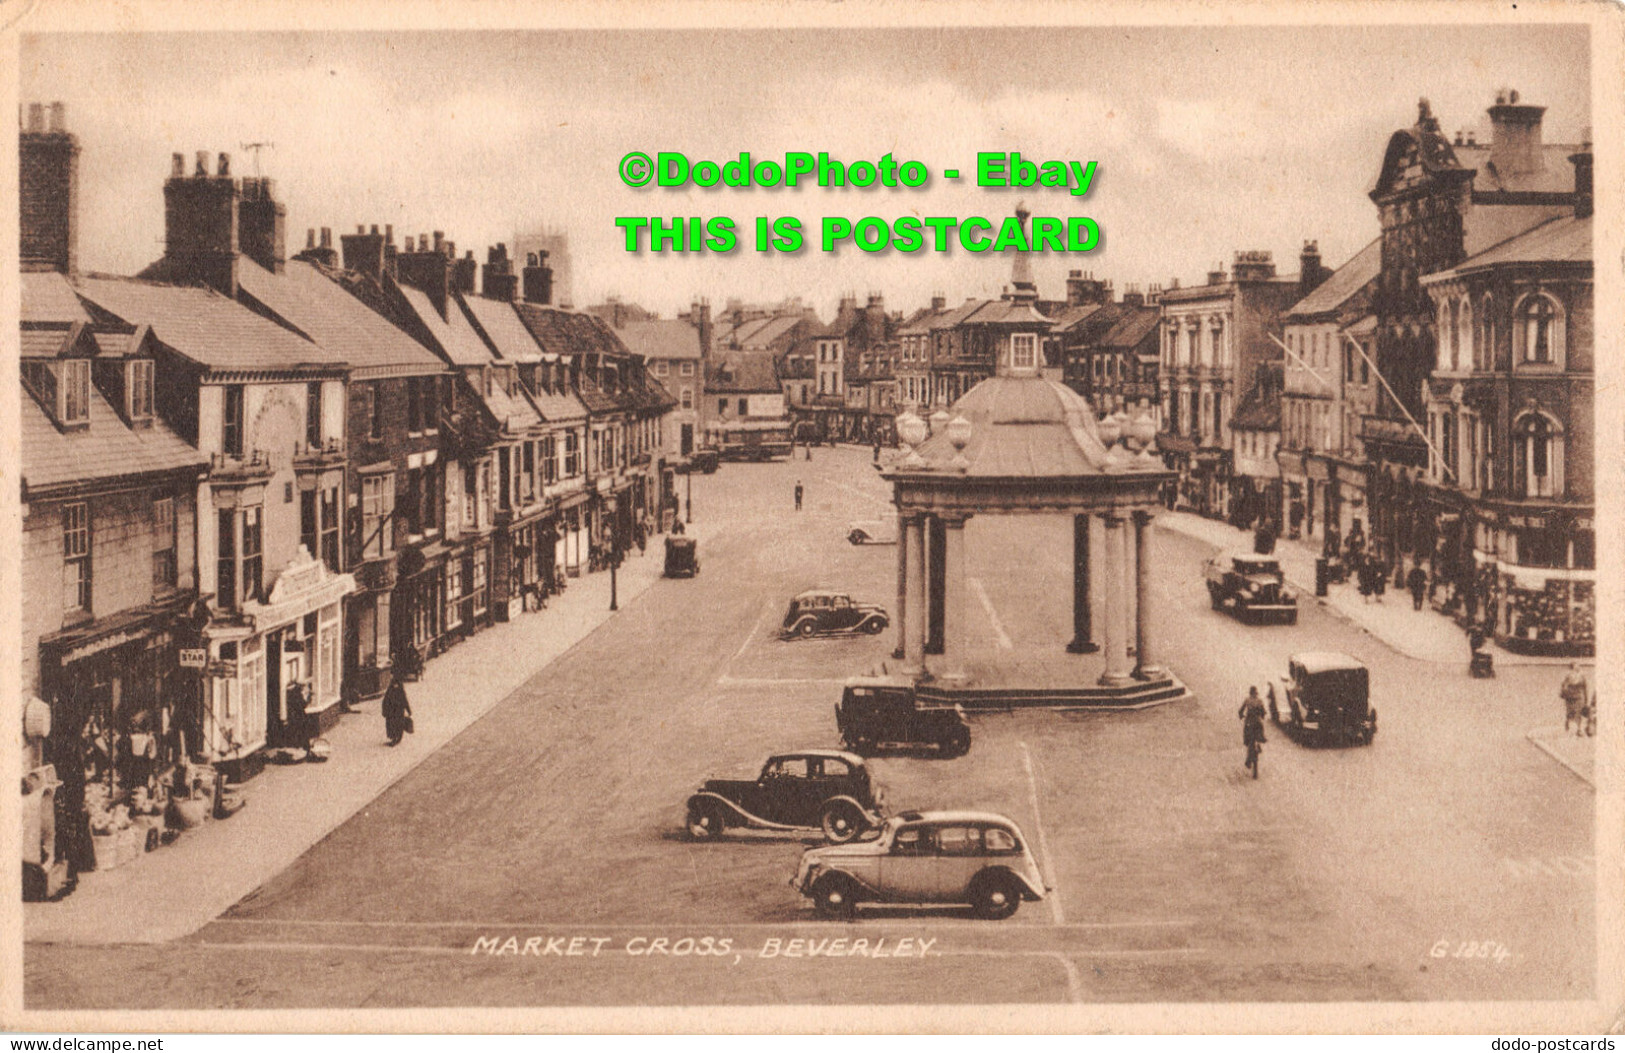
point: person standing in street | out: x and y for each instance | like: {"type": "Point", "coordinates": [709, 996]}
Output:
{"type": "Point", "coordinates": [1417, 582]}
{"type": "Point", "coordinates": [798, 495]}
{"type": "Point", "coordinates": [877, 451]}
{"type": "Point", "coordinates": [1575, 692]}
{"type": "Point", "coordinates": [397, 713]}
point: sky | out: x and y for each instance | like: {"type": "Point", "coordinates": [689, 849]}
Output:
{"type": "Point", "coordinates": [1207, 140]}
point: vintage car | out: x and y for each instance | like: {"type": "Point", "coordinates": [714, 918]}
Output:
{"type": "Point", "coordinates": [1326, 695]}
{"type": "Point", "coordinates": [877, 713]}
{"type": "Point", "coordinates": [705, 460]}
{"type": "Point", "coordinates": [806, 789]}
{"type": "Point", "coordinates": [974, 858]}
{"type": "Point", "coordinates": [820, 612]}
{"type": "Point", "coordinates": [873, 531]}
{"type": "Point", "coordinates": [1251, 588]}
{"type": "Point", "coordinates": [681, 558]}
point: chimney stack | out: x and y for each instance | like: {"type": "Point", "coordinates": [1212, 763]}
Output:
{"type": "Point", "coordinates": [426, 269]}
{"type": "Point", "coordinates": [364, 252]}
{"type": "Point", "coordinates": [1582, 178]}
{"type": "Point", "coordinates": [1310, 272]}
{"type": "Point", "coordinates": [262, 223]}
{"type": "Point", "coordinates": [463, 274]}
{"type": "Point", "coordinates": [500, 282]}
{"type": "Point", "coordinates": [202, 232]}
{"type": "Point", "coordinates": [939, 302]}
{"type": "Point", "coordinates": [48, 194]}
{"type": "Point", "coordinates": [538, 279]}
{"type": "Point", "coordinates": [1515, 147]}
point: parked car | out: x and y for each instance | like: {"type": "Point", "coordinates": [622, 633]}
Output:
{"type": "Point", "coordinates": [1326, 694]}
{"type": "Point", "coordinates": [822, 612]}
{"type": "Point", "coordinates": [877, 713]}
{"type": "Point", "coordinates": [975, 858]}
{"type": "Point", "coordinates": [705, 459]}
{"type": "Point", "coordinates": [682, 560]}
{"type": "Point", "coordinates": [873, 531]}
{"type": "Point", "coordinates": [1251, 588]}
{"type": "Point", "coordinates": [806, 789]}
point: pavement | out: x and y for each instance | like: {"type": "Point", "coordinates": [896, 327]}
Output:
{"type": "Point", "coordinates": [173, 891]}
{"type": "Point", "coordinates": [494, 872]}
{"type": "Point", "coordinates": [1425, 635]}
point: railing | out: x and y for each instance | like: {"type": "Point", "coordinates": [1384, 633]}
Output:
{"type": "Point", "coordinates": [256, 464]}
{"type": "Point", "coordinates": [322, 456]}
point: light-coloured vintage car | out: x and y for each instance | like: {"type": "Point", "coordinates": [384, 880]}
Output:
{"type": "Point", "coordinates": [975, 858]}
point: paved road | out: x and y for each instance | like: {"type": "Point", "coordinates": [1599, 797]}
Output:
{"type": "Point", "coordinates": [555, 821]}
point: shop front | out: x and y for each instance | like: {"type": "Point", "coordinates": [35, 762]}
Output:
{"type": "Point", "coordinates": [1534, 572]}
{"type": "Point", "coordinates": [273, 674]}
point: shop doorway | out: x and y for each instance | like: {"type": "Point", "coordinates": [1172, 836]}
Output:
{"type": "Point", "coordinates": [276, 730]}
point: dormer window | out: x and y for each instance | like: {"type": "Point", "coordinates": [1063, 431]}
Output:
{"type": "Point", "coordinates": [1023, 351]}
{"type": "Point", "coordinates": [73, 391]}
{"type": "Point", "coordinates": [138, 389]}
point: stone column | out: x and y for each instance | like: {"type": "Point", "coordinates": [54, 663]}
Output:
{"type": "Point", "coordinates": [955, 639]}
{"type": "Point", "coordinates": [913, 541]}
{"type": "Point", "coordinates": [1147, 667]}
{"type": "Point", "coordinates": [1083, 638]}
{"type": "Point", "coordinates": [901, 650]}
{"type": "Point", "coordinates": [1117, 667]}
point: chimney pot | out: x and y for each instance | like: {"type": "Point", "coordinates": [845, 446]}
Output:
{"type": "Point", "coordinates": [327, 237]}
{"type": "Point", "coordinates": [177, 166]}
{"type": "Point", "coordinates": [374, 229]}
{"type": "Point", "coordinates": [36, 117]}
{"type": "Point", "coordinates": [439, 239]}
{"type": "Point", "coordinates": [58, 117]}
{"type": "Point", "coordinates": [389, 233]}
{"type": "Point", "coordinates": [225, 166]}
{"type": "Point", "coordinates": [310, 238]}
{"type": "Point", "coordinates": [202, 164]}
{"type": "Point", "coordinates": [361, 228]}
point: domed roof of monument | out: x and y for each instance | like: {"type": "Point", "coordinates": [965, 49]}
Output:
{"type": "Point", "coordinates": [1022, 427]}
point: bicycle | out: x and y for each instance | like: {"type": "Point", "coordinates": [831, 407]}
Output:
{"type": "Point", "coordinates": [1254, 749]}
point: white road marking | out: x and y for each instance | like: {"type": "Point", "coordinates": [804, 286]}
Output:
{"type": "Point", "coordinates": [1054, 897]}
{"type": "Point", "coordinates": [992, 615]}
{"type": "Point", "coordinates": [767, 609]}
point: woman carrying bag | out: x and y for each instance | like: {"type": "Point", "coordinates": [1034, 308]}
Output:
{"type": "Point", "coordinates": [397, 713]}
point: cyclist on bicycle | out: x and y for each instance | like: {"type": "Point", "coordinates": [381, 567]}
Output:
{"type": "Point", "coordinates": [1251, 714]}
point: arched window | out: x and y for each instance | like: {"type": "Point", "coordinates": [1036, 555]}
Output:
{"type": "Point", "coordinates": [1540, 330]}
{"type": "Point", "coordinates": [1448, 317]}
{"type": "Point", "coordinates": [1464, 334]}
{"type": "Point", "coordinates": [1484, 347]}
{"type": "Point", "coordinates": [1537, 452]}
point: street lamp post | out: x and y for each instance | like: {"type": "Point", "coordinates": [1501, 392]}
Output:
{"type": "Point", "coordinates": [614, 549]}
{"type": "Point", "coordinates": [688, 502]}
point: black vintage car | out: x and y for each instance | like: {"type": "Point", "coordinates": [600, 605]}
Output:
{"type": "Point", "coordinates": [806, 789]}
{"type": "Point", "coordinates": [1326, 696]}
{"type": "Point", "coordinates": [704, 459]}
{"type": "Point", "coordinates": [822, 612]}
{"type": "Point", "coordinates": [681, 558]}
{"type": "Point", "coordinates": [878, 713]}
{"type": "Point", "coordinates": [1251, 588]}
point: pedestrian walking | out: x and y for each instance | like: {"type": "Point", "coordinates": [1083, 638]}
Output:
{"type": "Point", "coordinates": [1251, 715]}
{"type": "Point", "coordinates": [1417, 582]}
{"type": "Point", "coordinates": [877, 452]}
{"type": "Point", "coordinates": [1362, 574]}
{"type": "Point", "coordinates": [397, 713]}
{"type": "Point", "coordinates": [1575, 693]}
{"type": "Point", "coordinates": [808, 448]}
{"type": "Point", "coordinates": [1379, 577]}
{"type": "Point", "coordinates": [798, 495]}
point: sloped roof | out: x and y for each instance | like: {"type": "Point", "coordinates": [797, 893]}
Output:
{"type": "Point", "coordinates": [503, 328]}
{"type": "Point", "coordinates": [1026, 427]}
{"type": "Point", "coordinates": [1008, 312]}
{"type": "Point", "coordinates": [1555, 176]}
{"type": "Point", "coordinates": [1488, 225]}
{"type": "Point", "coordinates": [1566, 239]}
{"type": "Point", "coordinates": [1343, 284]}
{"type": "Point", "coordinates": [918, 322]}
{"type": "Point", "coordinates": [455, 336]}
{"type": "Point", "coordinates": [312, 302]}
{"type": "Point", "coordinates": [47, 297]}
{"type": "Point", "coordinates": [564, 332]}
{"type": "Point", "coordinates": [107, 449]}
{"type": "Point", "coordinates": [44, 343]}
{"type": "Point", "coordinates": [199, 323]}
{"type": "Point", "coordinates": [742, 372]}
{"type": "Point", "coordinates": [1070, 316]}
{"type": "Point", "coordinates": [1132, 328]}
{"type": "Point", "coordinates": [770, 330]}
{"type": "Point", "coordinates": [660, 338]}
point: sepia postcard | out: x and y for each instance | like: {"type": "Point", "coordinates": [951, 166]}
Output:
{"type": "Point", "coordinates": [813, 517]}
